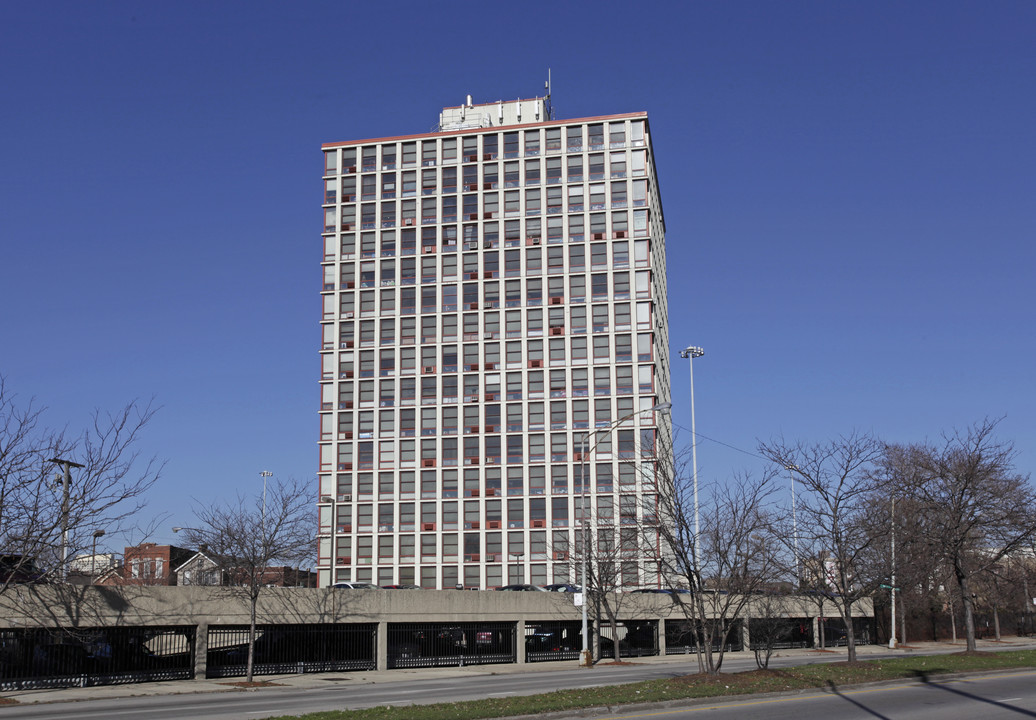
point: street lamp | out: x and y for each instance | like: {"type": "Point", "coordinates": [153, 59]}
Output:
{"type": "Point", "coordinates": [794, 523]}
{"type": "Point", "coordinates": [518, 565]}
{"type": "Point", "coordinates": [585, 660]}
{"type": "Point", "coordinates": [93, 556]}
{"type": "Point", "coordinates": [265, 474]}
{"type": "Point", "coordinates": [689, 354]}
{"type": "Point", "coordinates": [66, 482]}
{"type": "Point", "coordinates": [892, 583]}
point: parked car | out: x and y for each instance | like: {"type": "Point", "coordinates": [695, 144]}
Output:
{"type": "Point", "coordinates": [355, 586]}
{"type": "Point", "coordinates": [552, 641]}
{"type": "Point", "coordinates": [661, 591]}
{"type": "Point", "coordinates": [521, 588]}
{"type": "Point", "coordinates": [563, 587]}
{"type": "Point", "coordinates": [401, 587]}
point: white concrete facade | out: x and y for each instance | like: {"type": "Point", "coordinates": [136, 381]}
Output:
{"type": "Point", "coordinates": [491, 297]}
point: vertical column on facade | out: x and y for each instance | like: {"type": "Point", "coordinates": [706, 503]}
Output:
{"type": "Point", "coordinates": [746, 634]}
{"type": "Point", "coordinates": [519, 641]}
{"type": "Point", "coordinates": [381, 647]}
{"type": "Point", "coordinates": [661, 636]}
{"type": "Point", "coordinates": [201, 650]}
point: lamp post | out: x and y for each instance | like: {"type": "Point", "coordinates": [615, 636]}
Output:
{"type": "Point", "coordinates": [518, 565]}
{"type": "Point", "coordinates": [892, 583]}
{"type": "Point", "coordinates": [794, 523]}
{"type": "Point", "coordinates": [585, 659]}
{"type": "Point", "coordinates": [264, 475]}
{"type": "Point", "coordinates": [66, 482]}
{"type": "Point", "coordinates": [93, 557]}
{"type": "Point", "coordinates": [689, 354]}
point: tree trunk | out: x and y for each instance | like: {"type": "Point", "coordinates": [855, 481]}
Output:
{"type": "Point", "coordinates": [706, 647]}
{"type": "Point", "coordinates": [902, 622]}
{"type": "Point", "coordinates": [850, 636]}
{"type": "Point", "coordinates": [996, 622]}
{"type": "Point", "coordinates": [251, 641]}
{"type": "Point", "coordinates": [969, 610]}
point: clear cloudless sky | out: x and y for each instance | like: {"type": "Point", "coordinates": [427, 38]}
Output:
{"type": "Point", "coordinates": [849, 193]}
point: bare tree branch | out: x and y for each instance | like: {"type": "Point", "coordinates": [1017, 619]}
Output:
{"type": "Point", "coordinates": [105, 494]}
{"type": "Point", "coordinates": [250, 537]}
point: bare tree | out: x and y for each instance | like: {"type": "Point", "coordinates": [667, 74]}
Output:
{"type": "Point", "coordinates": [732, 558]}
{"type": "Point", "coordinates": [612, 561]}
{"type": "Point", "coordinates": [770, 625]}
{"type": "Point", "coordinates": [248, 538]}
{"type": "Point", "coordinates": [977, 507]}
{"type": "Point", "coordinates": [44, 522]}
{"type": "Point", "coordinates": [835, 514]}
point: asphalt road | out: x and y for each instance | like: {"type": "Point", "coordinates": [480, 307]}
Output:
{"type": "Point", "coordinates": [352, 691]}
{"type": "Point", "coordinates": [989, 697]}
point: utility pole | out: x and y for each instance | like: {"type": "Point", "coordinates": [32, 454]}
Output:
{"type": "Point", "coordinates": [66, 482]}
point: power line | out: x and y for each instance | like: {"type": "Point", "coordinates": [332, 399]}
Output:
{"type": "Point", "coordinates": [720, 442]}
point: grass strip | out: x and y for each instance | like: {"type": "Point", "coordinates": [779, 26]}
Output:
{"type": "Point", "coordinates": [802, 677]}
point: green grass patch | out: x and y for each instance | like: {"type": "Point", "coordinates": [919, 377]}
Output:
{"type": "Point", "coordinates": [803, 677]}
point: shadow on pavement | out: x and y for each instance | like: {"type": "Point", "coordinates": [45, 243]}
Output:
{"type": "Point", "coordinates": [923, 677]}
{"type": "Point", "coordinates": [834, 689]}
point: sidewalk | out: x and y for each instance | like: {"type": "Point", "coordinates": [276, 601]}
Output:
{"type": "Point", "coordinates": [323, 680]}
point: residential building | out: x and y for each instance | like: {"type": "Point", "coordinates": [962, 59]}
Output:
{"type": "Point", "coordinates": [200, 569]}
{"type": "Point", "coordinates": [494, 302]}
{"type": "Point", "coordinates": [147, 564]}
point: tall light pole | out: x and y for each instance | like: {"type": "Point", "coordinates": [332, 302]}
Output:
{"type": "Point", "coordinates": [892, 583]}
{"type": "Point", "coordinates": [689, 354]}
{"type": "Point", "coordinates": [794, 523]}
{"type": "Point", "coordinates": [66, 482]}
{"type": "Point", "coordinates": [93, 557]}
{"type": "Point", "coordinates": [265, 474]}
{"type": "Point", "coordinates": [585, 659]}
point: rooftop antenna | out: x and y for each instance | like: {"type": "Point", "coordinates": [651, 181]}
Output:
{"type": "Point", "coordinates": [549, 108]}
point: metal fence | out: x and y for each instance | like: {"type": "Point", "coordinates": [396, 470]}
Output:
{"type": "Point", "coordinates": [636, 638]}
{"type": "Point", "coordinates": [835, 635]}
{"type": "Point", "coordinates": [553, 640]}
{"type": "Point", "coordinates": [283, 649]}
{"type": "Point", "coordinates": [439, 644]}
{"type": "Point", "coordinates": [780, 633]}
{"type": "Point", "coordinates": [680, 637]}
{"type": "Point", "coordinates": [55, 657]}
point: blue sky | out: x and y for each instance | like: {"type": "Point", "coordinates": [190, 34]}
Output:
{"type": "Point", "coordinates": [849, 189]}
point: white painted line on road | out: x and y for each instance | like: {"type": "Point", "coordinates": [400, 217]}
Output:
{"type": "Point", "coordinates": [1009, 699]}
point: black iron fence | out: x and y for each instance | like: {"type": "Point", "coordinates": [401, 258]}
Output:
{"type": "Point", "coordinates": [439, 644]}
{"type": "Point", "coordinates": [835, 633]}
{"type": "Point", "coordinates": [780, 633]}
{"type": "Point", "coordinates": [42, 658]}
{"type": "Point", "coordinates": [636, 638]}
{"type": "Point", "coordinates": [684, 637]}
{"type": "Point", "coordinates": [33, 658]}
{"type": "Point", "coordinates": [281, 649]}
{"type": "Point", "coordinates": [553, 640]}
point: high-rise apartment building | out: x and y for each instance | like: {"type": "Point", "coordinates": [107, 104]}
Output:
{"type": "Point", "coordinates": [494, 303]}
